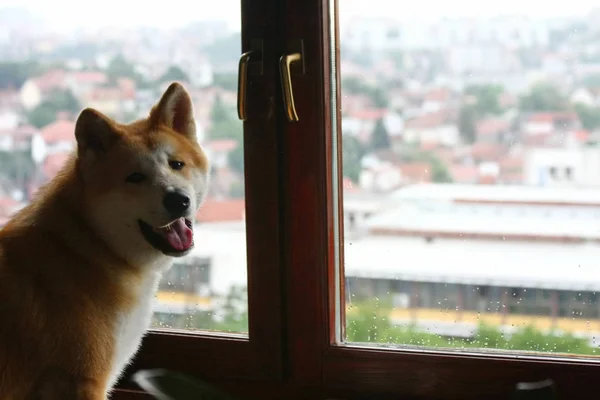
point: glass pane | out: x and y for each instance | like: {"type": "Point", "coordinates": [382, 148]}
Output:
{"type": "Point", "coordinates": [119, 60]}
{"type": "Point", "coordinates": [471, 175]}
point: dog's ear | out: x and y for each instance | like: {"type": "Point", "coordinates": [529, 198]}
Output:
{"type": "Point", "coordinates": [175, 110]}
{"type": "Point", "coordinates": [94, 132]}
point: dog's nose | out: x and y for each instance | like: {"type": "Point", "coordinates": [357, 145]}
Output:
{"type": "Point", "coordinates": [176, 203]}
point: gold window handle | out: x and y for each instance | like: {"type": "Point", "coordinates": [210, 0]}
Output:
{"type": "Point", "coordinates": [242, 85]}
{"type": "Point", "coordinates": [286, 82]}
{"type": "Point", "coordinates": [245, 68]}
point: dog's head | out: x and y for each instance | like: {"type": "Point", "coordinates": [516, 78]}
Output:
{"type": "Point", "coordinates": [144, 181]}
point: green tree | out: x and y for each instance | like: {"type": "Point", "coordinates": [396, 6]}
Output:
{"type": "Point", "coordinates": [42, 115]}
{"type": "Point", "coordinates": [236, 158]}
{"type": "Point", "coordinates": [174, 73]}
{"type": "Point", "coordinates": [380, 98]}
{"type": "Point", "coordinates": [487, 98]}
{"type": "Point", "coordinates": [466, 123]}
{"type": "Point", "coordinates": [14, 74]}
{"type": "Point", "coordinates": [380, 138]}
{"type": "Point", "coordinates": [368, 322]}
{"type": "Point", "coordinates": [17, 167]}
{"type": "Point", "coordinates": [543, 97]}
{"type": "Point", "coordinates": [59, 100]}
{"type": "Point", "coordinates": [439, 170]}
{"type": "Point", "coordinates": [224, 124]}
{"type": "Point", "coordinates": [589, 116]}
{"type": "Point", "coordinates": [352, 154]}
{"type": "Point", "coordinates": [119, 67]}
{"type": "Point", "coordinates": [227, 81]}
{"type": "Point", "coordinates": [64, 100]}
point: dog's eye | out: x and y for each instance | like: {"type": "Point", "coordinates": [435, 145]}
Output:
{"type": "Point", "coordinates": [176, 165]}
{"type": "Point", "coordinates": [136, 177]}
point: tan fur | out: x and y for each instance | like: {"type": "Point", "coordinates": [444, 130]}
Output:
{"type": "Point", "coordinates": [64, 281]}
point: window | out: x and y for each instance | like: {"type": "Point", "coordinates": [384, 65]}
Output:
{"type": "Point", "coordinates": [309, 309]}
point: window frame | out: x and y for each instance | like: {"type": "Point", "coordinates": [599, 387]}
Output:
{"type": "Point", "coordinates": [352, 371]}
{"type": "Point", "coordinates": [293, 303]}
{"type": "Point", "coordinates": [257, 356]}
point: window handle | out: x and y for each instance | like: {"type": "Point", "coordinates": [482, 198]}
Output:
{"type": "Point", "coordinates": [286, 82]}
{"type": "Point", "coordinates": [243, 71]}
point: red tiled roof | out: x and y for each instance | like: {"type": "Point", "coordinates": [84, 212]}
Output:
{"type": "Point", "coordinates": [97, 77]}
{"type": "Point", "coordinates": [491, 126]}
{"type": "Point", "coordinates": [222, 211]}
{"type": "Point", "coordinates": [51, 80]}
{"type": "Point", "coordinates": [463, 173]}
{"type": "Point", "coordinates": [552, 116]}
{"type": "Point", "coordinates": [222, 145]}
{"type": "Point", "coordinates": [440, 94]}
{"type": "Point", "coordinates": [430, 120]}
{"type": "Point", "coordinates": [416, 171]}
{"type": "Point", "coordinates": [369, 114]}
{"type": "Point", "coordinates": [59, 131]}
{"type": "Point", "coordinates": [582, 135]}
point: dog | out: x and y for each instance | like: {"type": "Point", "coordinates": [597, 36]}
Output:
{"type": "Point", "coordinates": [80, 264]}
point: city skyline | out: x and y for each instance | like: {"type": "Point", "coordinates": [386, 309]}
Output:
{"type": "Point", "coordinates": [84, 15]}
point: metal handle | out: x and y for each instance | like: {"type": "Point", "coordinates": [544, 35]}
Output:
{"type": "Point", "coordinates": [286, 83]}
{"type": "Point", "coordinates": [242, 84]}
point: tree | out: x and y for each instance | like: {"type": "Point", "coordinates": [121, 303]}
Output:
{"type": "Point", "coordinates": [466, 123]}
{"type": "Point", "coordinates": [236, 158]}
{"type": "Point", "coordinates": [543, 97]}
{"type": "Point", "coordinates": [119, 67]}
{"type": "Point", "coordinates": [487, 98]}
{"type": "Point", "coordinates": [380, 98]}
{"type": "Point", "coordinates": [64, 100]}
{"type": "Point", "coordinates": [174, 73]}
{"type": "Point", "coordinates": [43, 114]}
{"type": "Point", "coordinates": [439, 171]}
{"type": "Point", "coordinates": [368, 322]}
{"type": "Point", "coordinates": [227, 81]}
{"type": "Point", "coordinates": [379, 138]}
{"type": "Point", "coordinates": [352, 154]}
{"type": "Point", "coordinates": [589, 116]}
{"type": "Point", "coordinates": [224, 125]}
{"type": "Point", "coordinates": [14, 74]}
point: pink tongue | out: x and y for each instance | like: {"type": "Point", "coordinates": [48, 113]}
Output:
{"type": "Point", "coordinates": [179, 236]}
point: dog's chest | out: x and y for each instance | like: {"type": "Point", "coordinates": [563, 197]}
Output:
{"type": "Point", "coordinates": [132, 323]}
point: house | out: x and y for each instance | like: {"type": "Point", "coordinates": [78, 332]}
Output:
{"type": "Point", "coordinates": [566, 167]}
{"type": "Point", "coordinates": [81, 83]}
{"type": "Point", "coordinates": [59, 136]}
{"type": "Point", "coordinates": [34, 90]}
{"type": "Point", "coordinates": [540, 123]}
{"type": "Point", "coordinates": [492, 130]}
{"type": "Point", "coordinates": [379, 175]}
{"type": "Point", "coordinates": [214, 210]}
{"type": "Point", "coordinates": [437, 128]}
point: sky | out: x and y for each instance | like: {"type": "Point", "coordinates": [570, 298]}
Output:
{"type": "Point", "coordinates": [69, 13]}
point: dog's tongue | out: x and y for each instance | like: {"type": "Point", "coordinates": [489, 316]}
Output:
{"type": "Point", "coordinates": [179, 235]}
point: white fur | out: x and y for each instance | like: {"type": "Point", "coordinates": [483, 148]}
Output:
{"type": "Point", "coordinates": [131, 325]}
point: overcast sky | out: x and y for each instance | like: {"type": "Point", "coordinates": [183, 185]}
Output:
{"type": "Point", "coordinates": [69, 13]}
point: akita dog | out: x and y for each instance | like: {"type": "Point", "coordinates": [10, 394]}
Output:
{"type": "Point", "coordinates": [79, 265]}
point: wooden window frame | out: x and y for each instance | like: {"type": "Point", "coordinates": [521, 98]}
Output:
{"type": "Point", "coordinates": [292, 309]}
{"type": "Point", "coordinates": [257, 356]}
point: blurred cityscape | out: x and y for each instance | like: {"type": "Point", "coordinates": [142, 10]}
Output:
{"type": "Point", "coordinates": [471, 166]}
